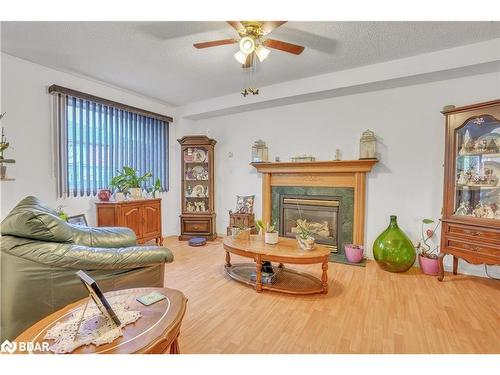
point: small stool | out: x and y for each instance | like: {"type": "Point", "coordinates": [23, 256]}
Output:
{"type": "Point", "coordinates": [197, 241]}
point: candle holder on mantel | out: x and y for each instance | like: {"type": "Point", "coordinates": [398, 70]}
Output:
{"type": "Point", "coordinates": [260, 152]}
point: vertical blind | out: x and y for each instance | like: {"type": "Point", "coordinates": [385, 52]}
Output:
{"type": "Point", "coordinates": [95, 141]}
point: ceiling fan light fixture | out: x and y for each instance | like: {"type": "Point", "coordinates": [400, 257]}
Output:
{"type": "Point", "coordinates": [240, 57]}
{"type": "Point", "coordinates": [262, 52]}
{"type": "Point", "coordinates": [247, 45]}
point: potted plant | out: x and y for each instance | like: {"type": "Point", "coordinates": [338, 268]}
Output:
{"type": "Point", "coordinates": [261, 227]}
{"type": "Point", "coordinates": [354, 253]}
{"type": "Point", "coordinates": [271, 235]}
{"type": "Point", "coordinates": [60, 212]}
{"type": "Point", "coordinates": [304, 236]}
{"type": "Point", "coordinates": [4, 145]}
{"type": "Point", "coordinates": [134, 181]}
{"type": "Point", "coordinates": [156, 188]}
{"type": "Point", "coordinates": [119, 182]}
{"type": "Point", "coordinates": [427, 250]}
{"type": "Point", "coordinates": [128, 181]}
{"type": "Point", "coordinates": [241, 232]}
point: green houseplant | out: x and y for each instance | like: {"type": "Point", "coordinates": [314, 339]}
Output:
{"type": "Point", "coordinates": [128, 181]}
{"type": "Point", "coordinates": [4, 145]}
{"type": "Point", "coordinates": [268, 230]}
{"type": "Point", "coordinates": [304, 237]}
{"type": "Point", "coordinates": [426, 249]}
{"type": "Point", "coordinates": [156, 188]}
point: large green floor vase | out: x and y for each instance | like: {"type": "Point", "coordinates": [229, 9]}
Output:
{"type": "Point", "coordinates": [393, 250]}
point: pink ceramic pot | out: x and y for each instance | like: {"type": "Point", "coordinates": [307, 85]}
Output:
{"type": "Point", "coordinates": [428, 266]}
{"type": "Point", "coordinates": [354, 254]}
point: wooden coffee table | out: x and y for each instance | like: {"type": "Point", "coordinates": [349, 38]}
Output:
{"type": "Point", "coordinates": [154, 332]}
{"type": "Point", "coordinates": [285, 251]}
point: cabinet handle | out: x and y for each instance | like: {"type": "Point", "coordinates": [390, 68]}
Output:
{"type": "Point", "coordinates": [472, 233]}
{"type": "Point", "coordinates": [471, 247]}
{"type": "Point", "coordinates": [196, 227]}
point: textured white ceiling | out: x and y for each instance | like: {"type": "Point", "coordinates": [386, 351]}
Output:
{"type": "Point", "coordinates": [157, 58]}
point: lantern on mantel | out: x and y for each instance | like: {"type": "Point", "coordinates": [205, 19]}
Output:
{"type": "Point", "coordinates": [368, 145]}
{"type": "Point", "coordinates": [259, 152]}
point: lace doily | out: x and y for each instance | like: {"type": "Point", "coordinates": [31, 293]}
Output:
{"type": "Point", "coordinates": [95, 328]}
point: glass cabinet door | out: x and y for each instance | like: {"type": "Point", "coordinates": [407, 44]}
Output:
{"type": "Point", "coordinates": [477, 187]}
{"type": "Point", "coordinates": [196, 179]}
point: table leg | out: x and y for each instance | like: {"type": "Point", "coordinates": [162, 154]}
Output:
{"type": "Point", "coordinates": [455, 265]}
{"type": "Point", "coordinates": [174, 347]}
{"type": "Point", "coordinates": [258, 275]}
{"type": "Point", "coordinates": [441, 266]}
{"type": "Point", "coordinates": [228, 259]}
{"type": "Point", "coordinates": [324, 277]}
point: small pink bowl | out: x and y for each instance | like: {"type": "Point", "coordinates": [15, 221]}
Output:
{"type": "Point", "coordinates": [354, 254]}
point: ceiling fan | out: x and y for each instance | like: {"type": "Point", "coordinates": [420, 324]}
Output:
{"type": "Point", "coordinates": [253, 41]}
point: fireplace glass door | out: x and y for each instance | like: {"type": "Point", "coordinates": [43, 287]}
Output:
{"type": "Point", "coordinates": [319, 214]}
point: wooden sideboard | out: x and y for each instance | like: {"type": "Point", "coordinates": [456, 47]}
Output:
{"type": "Point", "coordinates": [143, 216]}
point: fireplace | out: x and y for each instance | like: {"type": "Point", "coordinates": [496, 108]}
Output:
{"type": "Point", "coordinates": [320, 214]}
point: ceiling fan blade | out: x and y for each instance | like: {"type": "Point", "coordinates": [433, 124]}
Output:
{"type": "Point", "coordinates": [249, 61]}
{"type": "Point", "coordinates": [269, 26]}
{"type": "Point", "coordinates": [215, 43]}
{"type": "Point", "coordinates": [237, 25]}
{"type": "Point", "coordinates": [284, 46]}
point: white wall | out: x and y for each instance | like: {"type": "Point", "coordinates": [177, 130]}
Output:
{"type": "Point", "coordinates": [28, 127]}
{"type": "Point", "coordinates": [408, 180]}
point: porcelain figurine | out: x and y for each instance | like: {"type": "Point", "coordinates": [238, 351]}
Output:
{"type": "Point", "coordinates": [462, 209]}
{"type": "Point", "coordinates": [463, 179]}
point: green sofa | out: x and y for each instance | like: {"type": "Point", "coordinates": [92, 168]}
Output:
{"type": "Point", "coordinates": [40, 254]}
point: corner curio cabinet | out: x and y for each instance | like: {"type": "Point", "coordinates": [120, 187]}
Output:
{"type": "Point", "coordinates": [471, 208]}
{"type": "Point", "coordinates": [197, 191]}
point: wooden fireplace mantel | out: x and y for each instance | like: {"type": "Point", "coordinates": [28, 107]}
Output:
{"type": "Point", "coordinates": [342, 173]}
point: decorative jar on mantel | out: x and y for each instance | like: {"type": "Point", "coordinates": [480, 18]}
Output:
{"type": "Point", "coordinates": [368, 145]}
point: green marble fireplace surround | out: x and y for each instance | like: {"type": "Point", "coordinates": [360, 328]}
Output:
{"type": "Point", "coordinates": [345, 194]}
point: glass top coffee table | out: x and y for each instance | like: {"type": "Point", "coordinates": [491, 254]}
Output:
{"type": "Point", "coordinates": [282, 279]}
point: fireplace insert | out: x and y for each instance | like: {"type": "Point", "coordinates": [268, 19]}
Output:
{"type": "Point", "coordinates": [320, 214]}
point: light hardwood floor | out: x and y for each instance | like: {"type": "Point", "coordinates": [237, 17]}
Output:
{"type": "Point", "coordinates": [366, 310]}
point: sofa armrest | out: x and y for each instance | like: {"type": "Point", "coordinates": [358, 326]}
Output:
{"type": "Point", "coordinates": [103, 236]}
{"type": "Point", "coordinates": [80, 257]}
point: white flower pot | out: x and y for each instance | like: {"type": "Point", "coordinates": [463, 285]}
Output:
{"type": "Point", "coordinates": [119, 196]}
{"type": "Point", "coordinates": [135, 193]}
{"type": "Point", "coordinates": [271, 238]}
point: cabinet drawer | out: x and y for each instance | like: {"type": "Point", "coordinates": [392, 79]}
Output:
{"type": "Point", "coordinates": [474, 248]}
{"type": "Point", "coordinates": [473, 233]}
{"type": "Point", "coordinates": [196, 226]}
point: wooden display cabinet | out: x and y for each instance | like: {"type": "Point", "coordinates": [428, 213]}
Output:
{"type": "Point", "coordinates": [197, 190]}
{"type": "Point", "coordinates": [471, 208]}
{"type": "Point", "coordinates": [143, 216]}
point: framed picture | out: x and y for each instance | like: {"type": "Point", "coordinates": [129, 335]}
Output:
{"type": "Point", "coordinates": [244, 204]}
{"type": "Point", "coordinates": [99, 299]}
{"type": "Point", "coordinates": [78, 220]}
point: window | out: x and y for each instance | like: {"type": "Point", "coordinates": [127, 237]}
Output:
{"type": "Point", "coordinates": [96, 140]}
